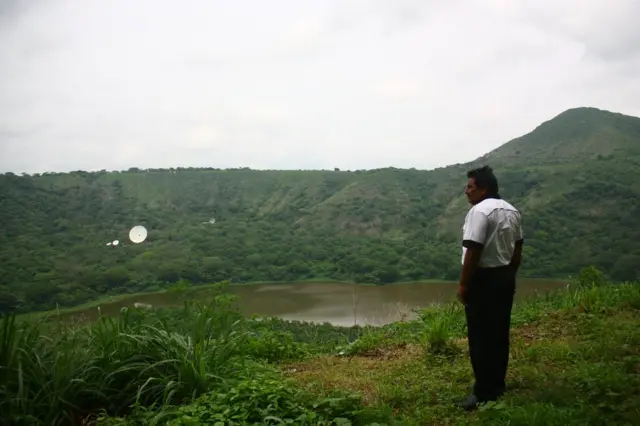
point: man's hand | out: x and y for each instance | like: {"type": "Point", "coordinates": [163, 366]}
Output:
{"type": "Point", "coordinates": [469, 266]}
{"type": "Point", "coordinates": [462, 294]}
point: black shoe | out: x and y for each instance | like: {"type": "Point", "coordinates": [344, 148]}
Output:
{"type": "Point", "coordinates": [469, 403]}
{"type": "Point", "coordinates": [498, 393]}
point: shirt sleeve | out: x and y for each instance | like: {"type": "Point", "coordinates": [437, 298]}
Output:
{"type": "Point", "coordinates": [475, 229]}
{"type": "Point", "coordinates": [519, 231]}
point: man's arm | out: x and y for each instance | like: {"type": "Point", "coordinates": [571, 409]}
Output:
{"type": "Point", "coordinates": [516, 257]}
{"type": "Point", "coordinates": [473, 240]}
{"type": "Point", "coordinates": [470, 263]}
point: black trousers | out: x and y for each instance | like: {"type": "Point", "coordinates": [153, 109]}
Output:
{"type": "Point", "coordinates": [488, 311]}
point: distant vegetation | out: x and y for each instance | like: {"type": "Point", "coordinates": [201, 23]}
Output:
{"type": "Point", "coordinates": [574, 177]}
{"type": "Point", "coordinates": [575, 360]}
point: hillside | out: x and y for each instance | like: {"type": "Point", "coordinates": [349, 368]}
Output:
{"type": "Point", "coordinates": [575, 177]}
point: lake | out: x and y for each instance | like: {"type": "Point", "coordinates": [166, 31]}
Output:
{"type": "Point", "coordinates": [336, 303]}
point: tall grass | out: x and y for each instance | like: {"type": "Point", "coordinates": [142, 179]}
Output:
{"type": "Point", "coordinates": [441, 327]}
{"type": "Point", "coordinates": [60, 374]}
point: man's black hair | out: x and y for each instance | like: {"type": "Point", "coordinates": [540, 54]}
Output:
{"type": "Point", "coordinates": [485, 179]}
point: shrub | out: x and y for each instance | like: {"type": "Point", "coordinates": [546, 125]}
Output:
{"type": "Point", "coordinates": [265, 399]}
{"type": "Point", "coordinates": [441, 327]}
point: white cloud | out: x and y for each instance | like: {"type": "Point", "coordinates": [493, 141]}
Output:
{"type": "Point", "coordinates": [290, 84]}
{"type": "Point", "coordinates": [397, 89]}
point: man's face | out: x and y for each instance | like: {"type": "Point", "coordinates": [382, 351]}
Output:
{"type": "Point", "coordinates": [473, 193]}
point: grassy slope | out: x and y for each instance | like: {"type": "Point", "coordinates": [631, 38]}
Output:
{"type": "Point", "coordinates": [575, 360]}
{"type": "Point", "coordinates": [583, 370]}
{"type": "Point", "coordinates": [566, 368]}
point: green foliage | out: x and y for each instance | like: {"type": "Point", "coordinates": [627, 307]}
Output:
{"type": "Point", "coordinates": [590, 277]}
{"type": "Point", "coordinates": [272, 339]}
{"type": "Point", "coordinates": [369, 341]}
{"type": "Point", "coordinates": [579, 298]}
{"type": "Point", "coordinates": [435, 329]}
{"type": "Point", "coordinates": [320, 336]}
{"type": "Point", "coordinates": [274, 346]}
{"type": "Point", "coordinates": [180, 287]}
{"type": "Point", "coordinates": [265, 399]}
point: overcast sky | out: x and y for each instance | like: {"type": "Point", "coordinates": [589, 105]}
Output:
{"type": "Point", "coordinates": [113, 84]}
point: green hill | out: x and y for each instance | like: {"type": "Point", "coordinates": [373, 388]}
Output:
{"type": "Point", "coordinates": [575, 178]}
{"type": "Point", "coordinates": [580, 134]}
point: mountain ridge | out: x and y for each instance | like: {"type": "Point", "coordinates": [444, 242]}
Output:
{"type": "Point", "coordinates": [560, 135]}
{"type": "Point", "coordinates": [377, 226]}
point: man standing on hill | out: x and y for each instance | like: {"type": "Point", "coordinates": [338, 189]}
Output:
{"type": "Point", "coordinates": [492, 249]}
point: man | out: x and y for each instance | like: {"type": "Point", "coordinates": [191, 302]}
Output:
{"type": "Point", "coordinates": [491, 254]}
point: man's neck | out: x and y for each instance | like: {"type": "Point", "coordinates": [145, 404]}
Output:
{"type": "Point", "coordinates": [487, 197]}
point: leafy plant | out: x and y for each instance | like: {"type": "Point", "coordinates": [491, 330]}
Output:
{"type": "Point", "coordinates": [441, 327]}
{"type": "Point", "coordinates": [266, 399]}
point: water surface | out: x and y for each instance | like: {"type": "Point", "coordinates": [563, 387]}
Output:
{"type": "Point", "coordinates": [336, 303]}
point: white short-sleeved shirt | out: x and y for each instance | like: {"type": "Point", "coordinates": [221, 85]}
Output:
{"type": "Point", "coordinates": [496, 225]}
